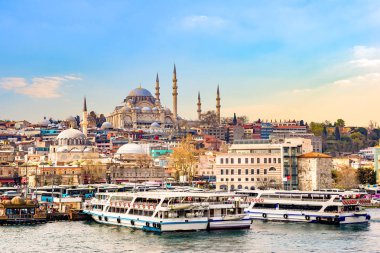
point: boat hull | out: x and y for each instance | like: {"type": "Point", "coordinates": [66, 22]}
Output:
{"type": "Point", "coordinates": [322, 218]}
{"type": "Point", "coordinates": [220, 224]}
{"type": "Point", "coordinates": [154, 225]}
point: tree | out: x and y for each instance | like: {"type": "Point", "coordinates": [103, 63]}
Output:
{"type": "Point", "coordinates": [209, 118]}
{"type": "Point", "coordinates": [366, 176]}
{"type": "Point", "coordinates": [337, 133]}
{"type": "Point", "coordinates": [346, 178]}
{"type": "Point", "coordinates": [340, 123]}
{"type": "Point", "coordinates": [100, 120]}
{"type": "Point", "coordinates": [184, 158]}
{"type": "Point", "coordinates": [316, 128]}
{"type": "Point", "coordinates": [302, 123]}
{"type": "Point", "coordinates": [324, 132]}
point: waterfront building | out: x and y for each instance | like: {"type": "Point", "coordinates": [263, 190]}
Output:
{"type": "Point", "coordinates": [377, 161]}
{"type": "Point", "coordinates": [314, 171]}
{"type": "Point", "coordinates": [258, 163]}
{"type": "Point", "coordinates": [132, 163]}
{"type": "Point", "coordinates": [72, 145]}
{"type": "Point", "coordinates": [140, 109]}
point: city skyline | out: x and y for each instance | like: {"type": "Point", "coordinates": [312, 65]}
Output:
{"type": "Point", "coordinates": [274, 60]}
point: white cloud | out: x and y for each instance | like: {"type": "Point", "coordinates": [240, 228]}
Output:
{"type": "Point", "coordinates": [192, 22]}
{"type": "Point", "coordinates": [38, 87]}
{"type": "Point", "coordinates": [366, 57]}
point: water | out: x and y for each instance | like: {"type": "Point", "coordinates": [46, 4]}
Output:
{"type": "Point", "coordinates": [263, 237]}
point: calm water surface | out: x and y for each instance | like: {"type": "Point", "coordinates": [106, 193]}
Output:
{"type": "Point", "coordinates": [263, 237]}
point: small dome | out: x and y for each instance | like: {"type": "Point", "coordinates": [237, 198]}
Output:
{"type": "Point", "coordinates": [87, 149]}
{"type": "Point", "coordinates": [155, 109]}
{"type": "Point", "coordinates": [130, 148]}
{"type": "Point", "coordinates": [140, 92]}
{"type": "Point", "coordinates": [106, 125]}
{"type": "Point", "coordinates": [167, 110]}
{"type": "Point", "coordinates": [155, 125]}
{"type": "Point", "coordinates": [146, 109]}
{"type": "Point", "coordinates": [71, 134]}
{"type": "Point", "coordinates": [17, 201]}
{"type": "Point", "coordinates": [137, 108]}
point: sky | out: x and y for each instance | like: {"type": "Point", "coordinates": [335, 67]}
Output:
{"type": "Point", "coordinates": [309, 60]}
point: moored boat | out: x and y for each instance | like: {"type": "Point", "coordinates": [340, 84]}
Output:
{"type": "Point", "coordinates": [164, 211]}
{"type": "Point", "coordinates": [314, 206]}
{"type": "Point", "coordinates": [19, 211]}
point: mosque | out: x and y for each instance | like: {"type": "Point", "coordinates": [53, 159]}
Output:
{"type": "Point", "coordinates": [140, 109]}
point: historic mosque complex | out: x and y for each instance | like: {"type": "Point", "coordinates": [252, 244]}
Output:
{"type": "Point", "coordinates": [141, 110]}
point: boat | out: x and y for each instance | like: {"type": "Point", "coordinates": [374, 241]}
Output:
{"type": "Point", "coordinates": [163, 211]}
{"type": "Point", "coordinates": [307, 206]}
{"type": "Point", "coordinates": [19, 211]}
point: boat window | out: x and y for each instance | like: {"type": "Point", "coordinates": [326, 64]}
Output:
{"type": "Point", "coordinates": [331, 209]}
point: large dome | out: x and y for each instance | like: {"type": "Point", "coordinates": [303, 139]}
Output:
{"type": "Point", "coordinates": [130, 148]}
{"type": "Point", "coordinates": [71, 134]}
{"type": "Point", "coordinates": [140, 92]}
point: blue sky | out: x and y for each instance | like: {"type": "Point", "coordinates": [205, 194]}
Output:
{"type": "Point", "coordinates": [311, 60]}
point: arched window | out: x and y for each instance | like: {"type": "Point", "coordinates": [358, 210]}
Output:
{"type": "Point", "coordinates": [272, 169]}
{"type": "Point", "coordinates": [240, 186]}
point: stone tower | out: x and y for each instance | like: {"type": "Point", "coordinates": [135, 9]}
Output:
{"type": "Point", "coordinates": [218, 105]}
{"type": "Point", "coordinates": [157, 88]}
{"type": "Point", "coordinates": [85, 118]}
{"type": "Point", "coordinates": [175, 94]}
{"type": "Point", "coordinates": [199, 111]}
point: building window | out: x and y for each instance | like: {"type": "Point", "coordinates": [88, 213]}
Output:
{"type": "Point", "coordinates": [221, 160]}
{"type": "Point", "coordinates": [274, 160]}
{"type": "Point", "coordinates": [252, 171]}
{"type": "Point", "coordinates": [258, 171]}
{"type": "Point", "coordinates": [252, 179]}
{"type": "Point", "coordinates": [232, 161]}
{"type": "Point", "coordinates": [232, 171]}
{"type": "Point", "coordinates": [221, 172]}
{"type": "Point", "coordinates": [265, 171]}
{"type": "Point", "coordinates": [232, 179]}
{"type": "Point", "coordinates": [239, 171]}
{"type": "Point", "coordinates": [272, 169]}
{"type": "Point", "coordinates": [239, 179]}
{"type": "Point", "coordinates": [222, 179]}
{"type": "Point", "coordinates": [252, 160]}
{"type": "Point", "coordinates": [226, 160]}
{"type": "Point", "coordinates": [269, 160]}
{"type": "Point", "coordinates": [265, 179]}
{"type": "Point", "coordinates": [226, 171]}
{"type": "Point", "coordinates": [246, 179]}
{"type": "Point", "coordinates": [278, 160]}
{"type": "Point", "coordinates": [226, 179]}
{"type": "Point", "coordinates": [265, 160]}
{"type": "Point", "coordinates": [258, 179]}
{"type": "Point", "coordinates": [239, 160]}
{"type": "Point", "coordinates": [246, 171]}
{"type": "Point", "coordinates": [258, 160]}
{"type": "Point", "coordinates": [246, 160]}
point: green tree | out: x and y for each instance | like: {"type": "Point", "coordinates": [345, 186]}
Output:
{"type": "Point", "coordinates": [366, 176]}
{"type": "Point", "coordinates": [337, 133]}
{"type": "Point", "coordinates": [316, 128]}
{"type": "Point", "coordinates": [340, 123]}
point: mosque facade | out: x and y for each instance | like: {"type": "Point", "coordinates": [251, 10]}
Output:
{"type": "Point", "coordinates": [141, 110]}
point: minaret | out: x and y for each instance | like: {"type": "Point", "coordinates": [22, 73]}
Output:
{"type": "Point", "coordinates": [175, 94]}
{"type": "Point", "coordinates": [157, 88]}
{"type": "Point", "coordinates": [199, 111]}
{"type": "Point", "coordinates": [84, 121]}
{"type": "Point", "coordinates": [218, 105]}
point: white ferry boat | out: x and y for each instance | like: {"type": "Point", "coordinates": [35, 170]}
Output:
{"type": "Point", "coordinates": [170, 211]}
{"type": "Point", "coordinates": [315, 206]}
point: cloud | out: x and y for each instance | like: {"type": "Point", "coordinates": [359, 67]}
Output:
{"type": "Point", "coordinates": [193, 22]}
{"type": "Point", "coordinates": [38, 87]}
{"type": "Point", "coordinates": [366, 57]}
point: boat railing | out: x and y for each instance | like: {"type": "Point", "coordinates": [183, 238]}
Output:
{"type": "Point", "coordinates": [295, 199]}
